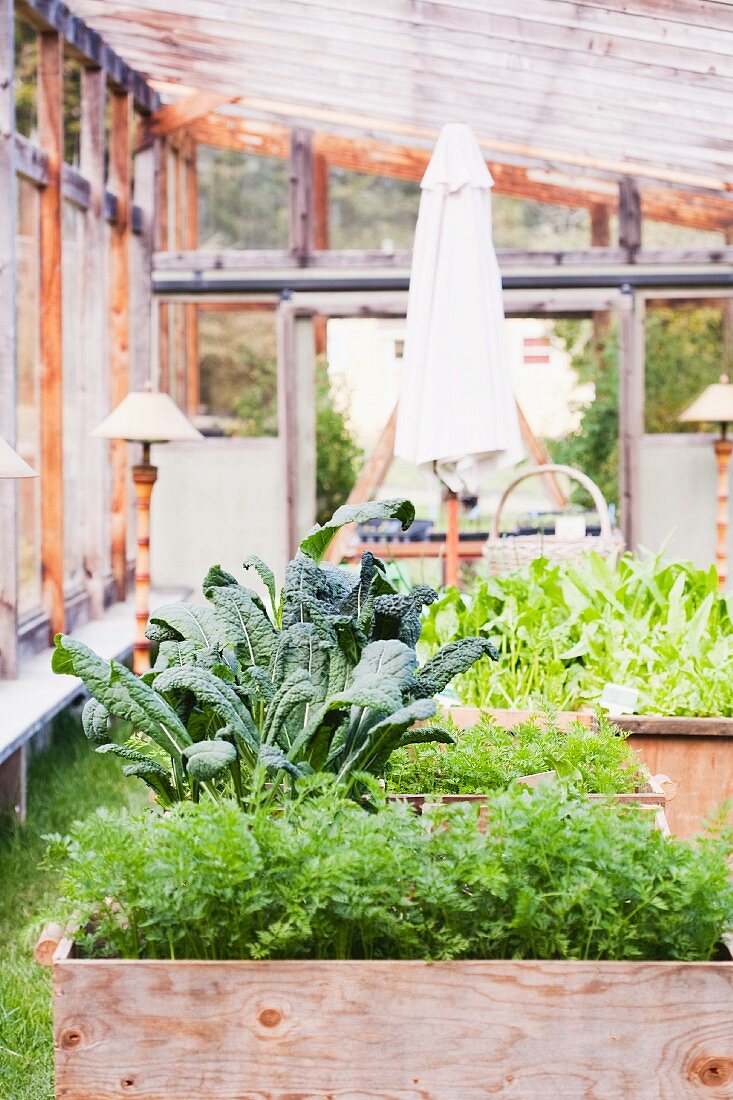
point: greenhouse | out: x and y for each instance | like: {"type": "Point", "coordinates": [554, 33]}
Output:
{"type": "Point", "coordinates": [366, 629]}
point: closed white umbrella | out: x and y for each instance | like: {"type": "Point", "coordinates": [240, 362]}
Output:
{"type": "Point", "coordinates": [457, 414]}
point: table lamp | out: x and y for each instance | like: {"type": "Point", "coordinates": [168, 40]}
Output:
{"type": "Point", "coordinates": [145, 417]}
{"type": "Point", "coordinates": [715, 406]}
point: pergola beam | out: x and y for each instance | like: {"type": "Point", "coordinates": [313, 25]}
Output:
{"type": "Point", "coordinates": [166, 120]}
{"type": "Point", "coordinates": [385, 158]}
{"type": "Point", "coordinates": [89, 47]}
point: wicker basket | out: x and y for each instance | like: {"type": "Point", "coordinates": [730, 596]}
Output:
{"type": "Point", "coordinates": [513, 551]}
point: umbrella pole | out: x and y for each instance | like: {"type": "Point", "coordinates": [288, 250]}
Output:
{"type": "Point", "coordinates": [451, 539]}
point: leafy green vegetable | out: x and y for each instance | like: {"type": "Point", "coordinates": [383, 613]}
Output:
{"type": "Point", "coordinates": [552, 877]}
{"type": "Point", "coordinates": [317, 542]}
{"type": "Point", "coordinates": [563, 631]}
{"type": "Point", "coordinates": [487, 757]}
{"type": "Point", "coordinates": [328, 679]}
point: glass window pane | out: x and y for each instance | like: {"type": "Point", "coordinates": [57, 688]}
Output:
{"type": "Point", "coordinates": [685, 352]}
{"type": "Point", "coordinates": [238, 372]}
{"type": "Point", "coordinates": [26, 78]}
{"type": "Point", "coordinates": [29, 398]}
{"type": "Point", "coordinates": [72, 110]}
{"type": "Point", "coordinates": [73, 386]}
{"type": "Point", "coordinates": [540, 226]}
{"type": "Point", "coordinates": [368, 211]}
{"type": "Point", "coordinates": [243, 200]}
{"type": "Point", "coordinates": [665, 235]}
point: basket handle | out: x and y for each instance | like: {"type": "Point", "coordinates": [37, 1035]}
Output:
{"type": "Point", "coordinates": [552, 468]}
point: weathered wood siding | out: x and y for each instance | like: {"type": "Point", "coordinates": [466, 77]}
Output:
{"type": "Point", "coordinates": [393, 1030]}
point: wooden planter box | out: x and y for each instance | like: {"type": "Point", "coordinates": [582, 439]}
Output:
{"type": "Point", "coordinates": [696, 753]}
{"type": "Point", "coordinates": [391, 1030]}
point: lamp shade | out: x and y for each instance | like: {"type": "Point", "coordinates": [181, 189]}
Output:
{"type": "Point", "coordinates": [11, 464]}
{"type": "Point", "coordinates": [713, 406]}
{"type": "Point", "coordinates": [147, 417]}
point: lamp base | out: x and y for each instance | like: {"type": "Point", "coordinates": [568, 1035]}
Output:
{"type": "Point", "coordinates": [144, 478]}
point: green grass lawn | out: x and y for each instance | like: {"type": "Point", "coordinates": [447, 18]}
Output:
{"type": "Point", "coordinates": [66, 782]}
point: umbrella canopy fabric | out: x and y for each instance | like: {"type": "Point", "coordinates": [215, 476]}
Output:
{"type": "Point", "coordinates": [457, 414]}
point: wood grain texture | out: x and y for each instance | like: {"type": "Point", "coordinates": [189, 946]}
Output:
{"type": "Point", "coordinates": [50, 130]}
{"type": "Point", "coordinates": [393, 1030]}
{"type": "Point", "coordinates": [119, 313]}
{"type": "Point", "coordinates": [702, 768]}
{"type": "Point", "coordinates": [301, 195]}
{"type": "Point", "coordinates": [8, 339]}
{"type": "Point", "coordinates": [400, 161]}
{"type": "Point", "coordinates": [95, 393]}
{"type": "Point", "coordinates": [631, 318]}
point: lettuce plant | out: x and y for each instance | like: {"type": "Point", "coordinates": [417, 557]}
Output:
{"type": "Point", "coordinates": [564, 630]}
{"type": "Point", "coordinates": [244, 699]}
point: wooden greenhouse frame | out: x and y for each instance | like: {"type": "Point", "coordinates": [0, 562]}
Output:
{"type": "Point", "coordinates": [364, 92]}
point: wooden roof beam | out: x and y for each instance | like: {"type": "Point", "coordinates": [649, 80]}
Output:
{"type": "Point", "coordinates": [174, 116]}
{"type": "Point", "coordinates": [383, 158]}
{"type": "Point", "coordinates": [90, 48]}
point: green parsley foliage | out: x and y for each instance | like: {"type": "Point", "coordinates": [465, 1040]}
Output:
{"type": "Point", "coordinates": [487, 757]}
{"type": "Point", "coordinates": [553, 876]}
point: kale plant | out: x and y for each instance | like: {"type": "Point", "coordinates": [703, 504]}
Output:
{"type": "Point", "coordinates": [244, 699]}
{"type": "Point", "coordinates": [552, 876]}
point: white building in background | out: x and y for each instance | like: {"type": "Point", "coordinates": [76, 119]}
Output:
{"type": "Point", "coordinates": [365, 354]}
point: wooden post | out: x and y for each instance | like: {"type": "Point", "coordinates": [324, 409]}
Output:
{"type": "Point", "coordinates": [192, 318]}
{"type": "Point", "coordinates": [287, 417]}
{"type": "Point", "coordinates": [8, 387]}
{"type": "Point", "coordinates": [144, 477]}
{"type": "Point", "coordinates": [119, 300]}
{"type": "Point", "coordinates": [600, 237]}
{"type": "Point", "coordinates": [95, 390]}
{"type": "Point", "coordinates": [631, 407]}
{"type": "Point", "coordinates": [321, 235]}
{"type": "Point", "coordinates": [50, 131]}
{"type": "Point", "coordinates": [723, 448]}
{"type": "Point", "coordinates": [452, 555]}
{"type": "Point", "coordinates": [180, 226]}
{"type": "Point", "coordinates": [161, 243]}
{"type": "Point", "coordinates": [301, 195]}
{"type": "Point", "coordinates": [296, 393]}
{"type": "Point", "coordinates": [629, 217]}
{"type": "Point", "coordinates": [13, 783]}
{"type": "Point", "coordinates": [141, 289]}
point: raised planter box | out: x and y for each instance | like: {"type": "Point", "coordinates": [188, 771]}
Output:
{"type": "Point", "coordinates": [656, 797]}
{"type": "Point", "coordinates": [391, 1030]}
{"type": "Point", "coordinates": [696, 753]}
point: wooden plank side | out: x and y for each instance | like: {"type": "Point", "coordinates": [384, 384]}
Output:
{"type": "Point", "coordinates": [392, 1030]}
{"type": "Point", "coordinates": [631, 407]}
{"type": "Point", "coordinates": [95, 391]}
{"type": "Point", "coordinates": [8, 337]}
{"type": "Point", "coordinates": [119, 310]}
{"type": "Point", "coordinates": [50, 130]}
{"type": "Point", "coordinates": [664, 725]}
{"type": "Point", "coordinates": [301, 195]}
{"type": "Point", "coordinates": [702, 768]}
{"type": "Point", "coordinates": [191, 308]}
{"type": "Point", "coordinates": [173, 116]}
{"type": "Point", "coordinates": [161, 237]}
